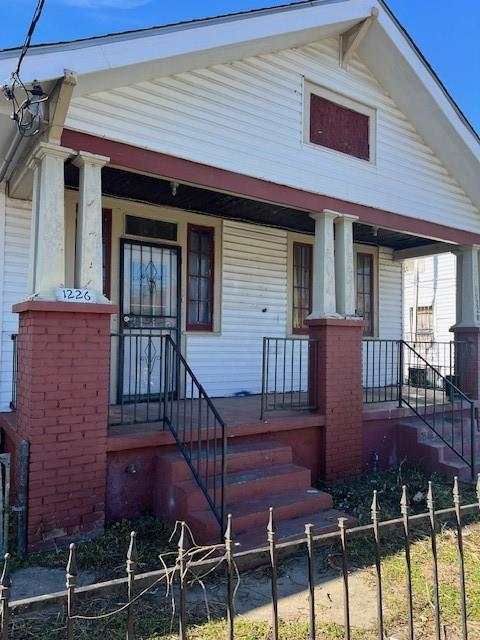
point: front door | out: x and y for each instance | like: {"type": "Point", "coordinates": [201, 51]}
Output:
{"type": "Point", "coordinates": [150, 308]}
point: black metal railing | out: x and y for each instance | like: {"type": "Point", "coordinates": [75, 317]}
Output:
{"type": "Point", "coordinates": [440, 404]}
{"type": "Point", "coordinates": [288, 372]}
{"type": "Point", "coordinates": [197, 427]}
{"type": "Point", "coordinates": [150, 381]}
{"type": "Point", "coordinates": [381, 370]}
{"type": "Point", "coordinates": [413, 537]}
{"type": "Point", "coordinates": [393, 370]}
{"type": "Point", "coordinates": [13, 400]}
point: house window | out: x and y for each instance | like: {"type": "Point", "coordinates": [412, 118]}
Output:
{"type": "Point", "coordinates": [200, 253]}
{"type": "Point", "coordinates": [365, 301]}
{"type": "Point", "coordinates": [302, 286]}
{"type": "Point", "coordinates": [425, 322]}
{"type": "Point", "coordinates": [338, 123]}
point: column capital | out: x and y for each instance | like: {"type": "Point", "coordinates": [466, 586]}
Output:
{"type": "Point", "coordinates": [85, 157]}
{"type": "Point", "coordinates": [345, 217]}
{"type": "Point", "coordinates": [44, 149]}
{"type": "Point", "coordinates": [326, 213]}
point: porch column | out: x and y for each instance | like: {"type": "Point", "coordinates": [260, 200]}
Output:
{"type": "Point", "coordinates": [47, 244]}
{"type": "Point", "coordinates": [335, 356]}
{"type": "Point", "coordinates": [323, 285]}
{"type": "Point", "coordinates": [344, 274]}
{"type": "Point", "coordinates": [89, 258]}
{"type": "Point", "coordinates": [467, 326]}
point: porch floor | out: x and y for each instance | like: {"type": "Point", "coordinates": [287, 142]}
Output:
{"type": "Point", "coordinates": [245, 410]}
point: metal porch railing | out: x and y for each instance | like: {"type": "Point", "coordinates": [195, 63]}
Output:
{"type": "Point", "coordinates": [150, 381]}
{"type": "Point", "coordinates": [399, 371]}
{"type": "Point", "coordinates": [288, 367]}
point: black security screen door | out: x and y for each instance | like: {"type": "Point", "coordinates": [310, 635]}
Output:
{"type": "Point", "coordinates": [150, 308]}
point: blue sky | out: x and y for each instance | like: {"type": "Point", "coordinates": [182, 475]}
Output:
{"type": "Point", "coordinates": [445, 31]}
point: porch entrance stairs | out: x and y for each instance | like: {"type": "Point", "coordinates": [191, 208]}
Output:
{"type": "Point", "coordinates": [261, 474]}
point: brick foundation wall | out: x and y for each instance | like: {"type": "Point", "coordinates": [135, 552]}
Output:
{"type": "Point", "coordinates": [62, 410]}
{"type": "Point", "coordinates": [338, 394]}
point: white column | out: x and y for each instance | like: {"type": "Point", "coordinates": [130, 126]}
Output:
{"type": "Point", "coordinates": [47, 255]}
{"type": "Point", "coordinates": [89, 261]}
{"type": "Point", "coordinates": [468, 287]}
{"type": "Point", "coordinates": [344, 272]}
{"type": "Point", "coordinates": [323, 286]}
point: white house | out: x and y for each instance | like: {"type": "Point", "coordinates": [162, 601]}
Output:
{"type": "Point", "coordinates": [222, 181]}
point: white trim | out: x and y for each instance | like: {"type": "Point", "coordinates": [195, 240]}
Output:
{"type": "Point", "coordinates": [310, 87]}
{"type": "Point", "coordinates": [363, 248]}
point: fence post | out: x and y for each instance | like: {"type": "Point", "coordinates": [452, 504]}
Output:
{"type": "Point", "coordinates": [346, 597]}
{"type": "Point", "coordinates": [182, 583]}
{"type": "Point", "coordinates": [404, 508]}
{"type": "Point", "coordinates": [272, 542]}
{"type": "Point", "coordinates": [375, 513]}
{"type": "Point", "coordinates": [5, 584]}
{"type": "Point", "coordinates": [461, 563]}
{"type": "Point", "coordinates": [132, 558]}
{"type": "Point", "coordinates": [71, 584]}
{"type": "Point", "coordinates": [229, 556]}
{"type": "Point", "coordinates": [23, 497]}
{"type": "Point", "coordinates": [311, 578]}
{"type": "Point", "coordinates": [433, 542]}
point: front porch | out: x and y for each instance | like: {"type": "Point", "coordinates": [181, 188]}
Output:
{"type": "Point", "coordinates": [208, 413]}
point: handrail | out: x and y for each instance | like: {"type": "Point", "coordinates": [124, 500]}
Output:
{"type": "Point", "coordinates": [460, 404]}
{"type": "Point", "coordinates": [183, 396]}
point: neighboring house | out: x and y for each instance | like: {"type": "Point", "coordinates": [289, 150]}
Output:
{"type": "Point", "coordinates": [208, 185]}
{"type": "Point", "coordinates": [429, 309]}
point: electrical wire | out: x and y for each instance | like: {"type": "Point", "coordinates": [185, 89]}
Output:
{"type": "Point", "coordinates": [27, 112]}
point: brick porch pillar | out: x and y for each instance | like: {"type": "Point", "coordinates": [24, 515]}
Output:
{"type": "Point", "coordinates": [338, 393]}
{"type": "Point", "coordinates": [467, 327]}
{"type": "Point", "coordinates": [62, 405]}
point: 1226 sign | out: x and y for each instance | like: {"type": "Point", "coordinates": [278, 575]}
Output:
{"type": "Point", "coordinates": [75, 295]}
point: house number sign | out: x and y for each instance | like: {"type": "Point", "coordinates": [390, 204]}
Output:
{"type": "Point", "coordinates": [75, 295]}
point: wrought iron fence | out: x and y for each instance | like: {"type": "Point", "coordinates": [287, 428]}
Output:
{"type": "Point", "coordinates": [197, 564]}
{"type": "Point", "coordinates": [289, 372]}
{"type": "Point", "coordinates": [13, 401]}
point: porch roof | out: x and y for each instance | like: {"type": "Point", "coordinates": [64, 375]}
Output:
{"type": "Point", "coordinates": [156, 191]}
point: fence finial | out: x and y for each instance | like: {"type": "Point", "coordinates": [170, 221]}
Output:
{"type": "Point", "coordinates": [375, 510]}
{"type": "Point", "coordinates": [404, 504]}
{"type": "Point", "coordinates": [430, 500]}
{"type": "Point", "coordinates": [132, 555]}
{"type": "Point", "coordinates": [456, 491]}
{"type": "Point", "coordinates": [228, 536]}
{"type": "Point", "coordinates": [5, 580]}
{"type": "Point", "coordinates": [72, 566]}
{"type": "Point", "coordinates": [271, 528]}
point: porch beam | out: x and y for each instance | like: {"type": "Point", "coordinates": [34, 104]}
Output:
{"type": "Point", "coordinates": [323, 290]}
{"type": "Point", "coordinates": [47, 240]}
{"type": "Point", "coordinates": [425, 250]}
{"type": "Point", "coordinates": [89, 255]}
{"type": "Point", "coordinates": [351, 39]}
{"type": "Point", "coordinates": [344, 272]}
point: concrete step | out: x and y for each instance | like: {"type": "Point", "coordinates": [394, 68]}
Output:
{"type": "Point", "coordinates": [248, 483]}
{"type": "Point", "coordinates": [241, 457]}
{"type": "Point", "coordinates": [252, 513]}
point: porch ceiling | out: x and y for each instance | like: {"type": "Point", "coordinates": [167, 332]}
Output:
{"type": "Point", "coordinates": [143, 188]}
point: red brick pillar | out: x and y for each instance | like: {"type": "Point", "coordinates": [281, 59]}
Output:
{"type": "Point", "coordinates": [338, 393]}
{"type": "Point", "coordinates": [62, 410]}
{"type": "Point", "coordinates": [467, 359]}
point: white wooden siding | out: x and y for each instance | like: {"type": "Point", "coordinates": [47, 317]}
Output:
{"type": "Point", "coordinates": [389, 296]}
{"type": "Point", "coordinates": [14, 285]}
{"type": "Point", "coordinates": [247, 116]}
{"type": "Point", "coordinates": [254, 279]}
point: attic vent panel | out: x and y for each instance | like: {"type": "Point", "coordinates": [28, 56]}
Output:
{"type": "Point", "coordinates": [339, 128]}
